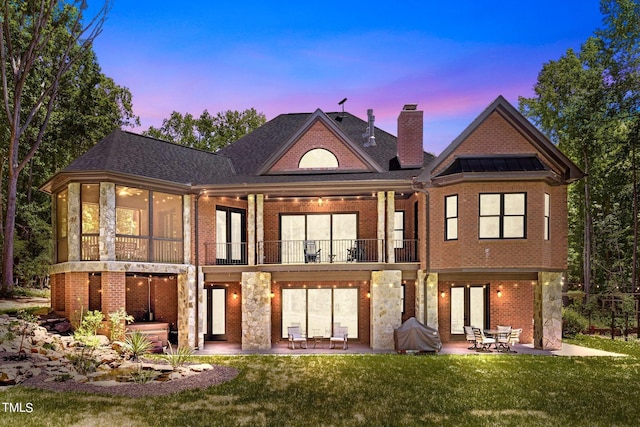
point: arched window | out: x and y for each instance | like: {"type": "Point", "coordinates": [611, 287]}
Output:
{"type": "Point", "coordinates": [318, 158]}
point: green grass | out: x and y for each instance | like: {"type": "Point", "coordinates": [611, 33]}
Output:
{"type": "Point", "coordinates": [373, 390]}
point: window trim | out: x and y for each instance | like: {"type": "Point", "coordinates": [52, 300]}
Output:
{"type": "Point", "coordinates": [447, 218]}
{"type": "Point", "coordinates": [501, 216]}
{"type": "Point", "coordinates": [399, 244]}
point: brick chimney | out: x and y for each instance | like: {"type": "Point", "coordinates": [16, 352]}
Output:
{"type": "Point", "coordinates": [410, 151]}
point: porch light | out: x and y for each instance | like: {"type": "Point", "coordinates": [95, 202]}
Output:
{"type": "Point", "coordinates": [235, 295]}
{"type": "Point", "coordinates": [369, 295]}
{"type": "Point", "coordinates": [499, 293]}
{"type": "Point", "coordinates": [443, 294]}
{"type": "Point", "coordinates": [319, 201]}
{"type": "Point", "coordinates": [272, 295]}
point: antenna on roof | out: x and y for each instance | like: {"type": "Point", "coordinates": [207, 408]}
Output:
{"type": "Point", "coordinates": [339, 118]}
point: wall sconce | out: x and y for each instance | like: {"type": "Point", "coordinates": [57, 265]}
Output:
{"type": "Point", "coordinates": [369, 295]}
{"type": "Point", "coordinates": [499, 293]}
{"type": "Point", "coordinates": [319, 201]}
{"type": "Point", "coordinates": [443, 294]}
{"type": "Point", "coordinates": [272, 295]}
{"type": "Point", "coordinates": [235, 295]}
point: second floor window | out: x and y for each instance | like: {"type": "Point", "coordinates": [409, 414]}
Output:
{"type": "Point", "coordinates": [451, 217]}
{"type": "Point", "coordinates": [502, 216]}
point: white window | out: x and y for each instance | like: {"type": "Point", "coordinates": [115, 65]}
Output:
{"type": "Point", "coordinates": [318, 158]}
{"type": "Point", "coordinates": [398, 230]}
{"type": "Point", "coordinates": [451, 217]}
{"type": "Point", "coordinates": [502, 216]}
{"type": "Point", "coordinates": [547, 214]}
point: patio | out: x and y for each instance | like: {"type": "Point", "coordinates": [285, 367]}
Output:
{"type": "Point", "coordinates": [453, 348]}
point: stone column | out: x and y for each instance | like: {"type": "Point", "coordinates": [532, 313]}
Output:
{"type": "Point", "coordinates": [107, 239]}
{"type": "Point", "coordinates": [188, 309]}
{"type": "Point", "coordinates": [391, 215]}
{"type": "Point", "coordinates": [381, 229]}
{"type": "Point", "coordinates": [547, 311]}
{"type": "Point", "coordinates": [114, 291]}
{"type": "Point", "coordinates": [202, 308]}
{"type": "Point", "coordinates": [186, 226]}
{"type": "Point", "coordinates": [251, 229]}
{"type": "Point", "coordinates": [260, 227]}
{"type": "Point", "coordinates": [386, 307]}
{"type": "Point", "coordinates": [256, 311]}
{"type": "Point", "coordinates": [73, 222]}
{"type": "Point", "coordinates": [431, 300]}
{"type": "Point", "coordinates": [420, 295]}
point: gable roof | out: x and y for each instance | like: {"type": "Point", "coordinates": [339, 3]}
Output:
{"type": "Point", "coordinates": [319, 116]}
{"type": "Point", "coordinates": [569, 171]}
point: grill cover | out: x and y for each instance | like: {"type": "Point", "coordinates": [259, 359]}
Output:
{"type": "Point", "coordinates": [413, 335]}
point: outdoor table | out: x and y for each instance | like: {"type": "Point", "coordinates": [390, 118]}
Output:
{"type": "Point", "coordinates": [317, 339]}
{"type": "Point", "coordinates": [494, 333]}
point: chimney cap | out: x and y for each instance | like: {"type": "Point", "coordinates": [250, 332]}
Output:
{"type": "Point", "coordinates": [410, 107]}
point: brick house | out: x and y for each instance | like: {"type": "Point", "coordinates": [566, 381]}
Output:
{"type": "Point", "coordinates": [309, 221]}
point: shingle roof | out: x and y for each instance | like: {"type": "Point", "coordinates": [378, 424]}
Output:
{"type": "Point", "coordinates": [133, 154]}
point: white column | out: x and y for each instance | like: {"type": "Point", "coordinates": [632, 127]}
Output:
{"type": "Point", "coordinates": [186, 225]}
{"type": "Point", "coordinates": [391, 213]}
{"type": "Point", "coordinates": [73, 221]}
{"type": "Point", "coordinates": [381, 226]}
{"type": "Point", "coordinates": [107, 239]}
{"type": "Point", "coordinates": [251, 229]}
{"type": "Point", "coordinates": [260, 227]}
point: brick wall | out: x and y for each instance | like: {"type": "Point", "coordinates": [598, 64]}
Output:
{"type": "Point", "coordinates": [409, 299]}
{"type": "Point", "coordinates": [57, 293]}
{"type": "Point", "coordinates": [319, 136]}
{"type": "Point", "coordinates": [95, 293]}
{"type": "Point", "coordinates": [207, 223]}
{"type": "Point", "coordinates": [410, 130]}
{"type": "Point", "coordinates": [164, 297]}
{"type": "Point", "coordinates": [514, 308]}
{"type": "Point", "coordinates": [76, 295]}
{"type": "Point", "coordinates": [471, 252]}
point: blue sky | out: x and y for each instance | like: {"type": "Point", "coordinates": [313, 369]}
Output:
{"type": "Point", "coordinates": [451, 58]}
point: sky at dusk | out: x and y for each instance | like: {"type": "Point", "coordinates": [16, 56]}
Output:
{"type": "Point", "coordinates": [451, 58]}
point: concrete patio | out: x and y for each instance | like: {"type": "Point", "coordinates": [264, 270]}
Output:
{"type": "Point", "coordinates": [457, 348]}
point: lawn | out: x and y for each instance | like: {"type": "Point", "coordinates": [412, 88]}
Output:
{"type": "Point", "coordinates": [373, 390]}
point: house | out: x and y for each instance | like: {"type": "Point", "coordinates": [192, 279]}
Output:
{"type": "Point", "coordinates": [319, 219]}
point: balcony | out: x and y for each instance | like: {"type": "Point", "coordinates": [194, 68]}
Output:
{"type": "Point", "coordinates": [317, 252]}
{"type": "Point", "coordinates": [135, 249]}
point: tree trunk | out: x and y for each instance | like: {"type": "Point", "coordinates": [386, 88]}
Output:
{"type": "Point", "coordinates": [588, 226]}
{"type": "Point", "coordinates": [9, 232]}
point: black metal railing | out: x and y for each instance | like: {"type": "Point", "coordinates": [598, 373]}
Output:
{"type": "Point", "coordinates": [226, 253]}
{"type": "Point", "coordinates": [320, 251]}
{"type": "Point", "coordinates": [406, 250]}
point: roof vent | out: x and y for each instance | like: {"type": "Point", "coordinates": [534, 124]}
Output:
{"type": "Point", "coordinates": [341, 116]}
{"type": "Point", "coordinates": [369, 133]}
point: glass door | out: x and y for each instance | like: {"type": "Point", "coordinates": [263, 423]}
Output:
{"type": "Point", "coordinates": [216, 314]}
{"type": "Point", "coordinates": [468, 307]}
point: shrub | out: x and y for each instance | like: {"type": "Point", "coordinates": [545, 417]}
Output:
{"type": "Point", "coordinates": [137, 344]}
{"type": "Point", "coordinates": [86, 332]}
{"type": "Point", "coordinates": [84, 362]}
{"type": "Point", "coordinates": [143, 376]}
{"type": "Point", "coordinates": [177, 357]}
{"type": "Point", "coordinates": [117, 321]}
{"type": "Point", "coordinates": [573, 322]}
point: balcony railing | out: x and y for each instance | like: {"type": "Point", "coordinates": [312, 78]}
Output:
{"type": "Point", "coordinates": [90, 250]}
{"type": "Point", "coordinates": [405, 250]}
{"type": "Point", "coordinates": [320, 251]}
{"type": "Point", "coordinates": [226, 253]}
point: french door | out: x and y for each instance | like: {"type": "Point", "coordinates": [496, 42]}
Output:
{"type": "Point", "coordinates": [231, 236]}
{"type": "Point", "coordinates": [468, 307]}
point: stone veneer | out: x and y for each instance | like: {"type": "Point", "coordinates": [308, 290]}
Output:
{"type": "Point", "coordinates": [256, 311]}
{"type": "Point", "coordinates": [73, 221]}
{"type": "Point", "coordinates": [386, 307]}
{"type": "Point", "coordinates": [390, 223]}
{"type": "Point", "coordinates": [419, 296]}
{"type": "Point", "coordinates": [186, 226]}
{"type": "Point", "coordinates": [431, 300]}
{"type": "Point", "coordinates": [251, 229]}
{"type": "Point", "coordinates": [547, 331]}
{"type": "Point", "coordinates": [188, 310]}
{"type": "Point", "coordinates": [381, 229]}
{"type": "Point", "coordinates": [107, 239]}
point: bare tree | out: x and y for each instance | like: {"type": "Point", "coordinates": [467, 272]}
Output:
{"type": "Point", "coordinates": [40, 40]}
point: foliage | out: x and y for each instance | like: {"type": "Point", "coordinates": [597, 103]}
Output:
{"type": "Point", "coordinates": [207, 132]}
{"type": "Point", "coordinates": [573, 322]}
{"type": "Point", "coordinates": [117, 324]}
{"type": "Point", "coordinates": [84, 362]}
{"type": "Point", "coordinates": [137, 344]}
{"type": "Point", "coordinates": [588, 102]}
{"type": "Point", "coordinates": [88, 328]}
{"type": "Point", "coordinates": [143, 376]}
{"type": "Point", "coordinates": [177, 357]}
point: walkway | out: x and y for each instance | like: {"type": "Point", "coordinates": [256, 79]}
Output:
{"type": "Point", "coordinates": [457, 348]}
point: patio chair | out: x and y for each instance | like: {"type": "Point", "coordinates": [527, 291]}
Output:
{"type": "Point", "coordinates": [503, 342]}
{"type": "Point", "coordinates": [295, 336]}
{"type": "Point", "coordinates": [471, 338]}
{"type": "Point", "coordinates": [483, 343]}
{"type": "Point", "coordinates": [355, 253]}
{"type": "Point", "coordinates": [514, 338]}
{"type": "Point", "coordinates": [339, 336]}
{"type": "Point", "coordinates": [311, 254]}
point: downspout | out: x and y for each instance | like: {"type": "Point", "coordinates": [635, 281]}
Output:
{"type": "Point", "coordinates": [197, 262]}
{"type": "Point", "coordinates": [419, 188]}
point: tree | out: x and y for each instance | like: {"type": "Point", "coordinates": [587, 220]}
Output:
{"type": "Point", "coordinates": [589, 104]}
{"type": "Point", "coordinates": [207, 132]}
{"type": "Point", "coordinates": [40, 41]}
